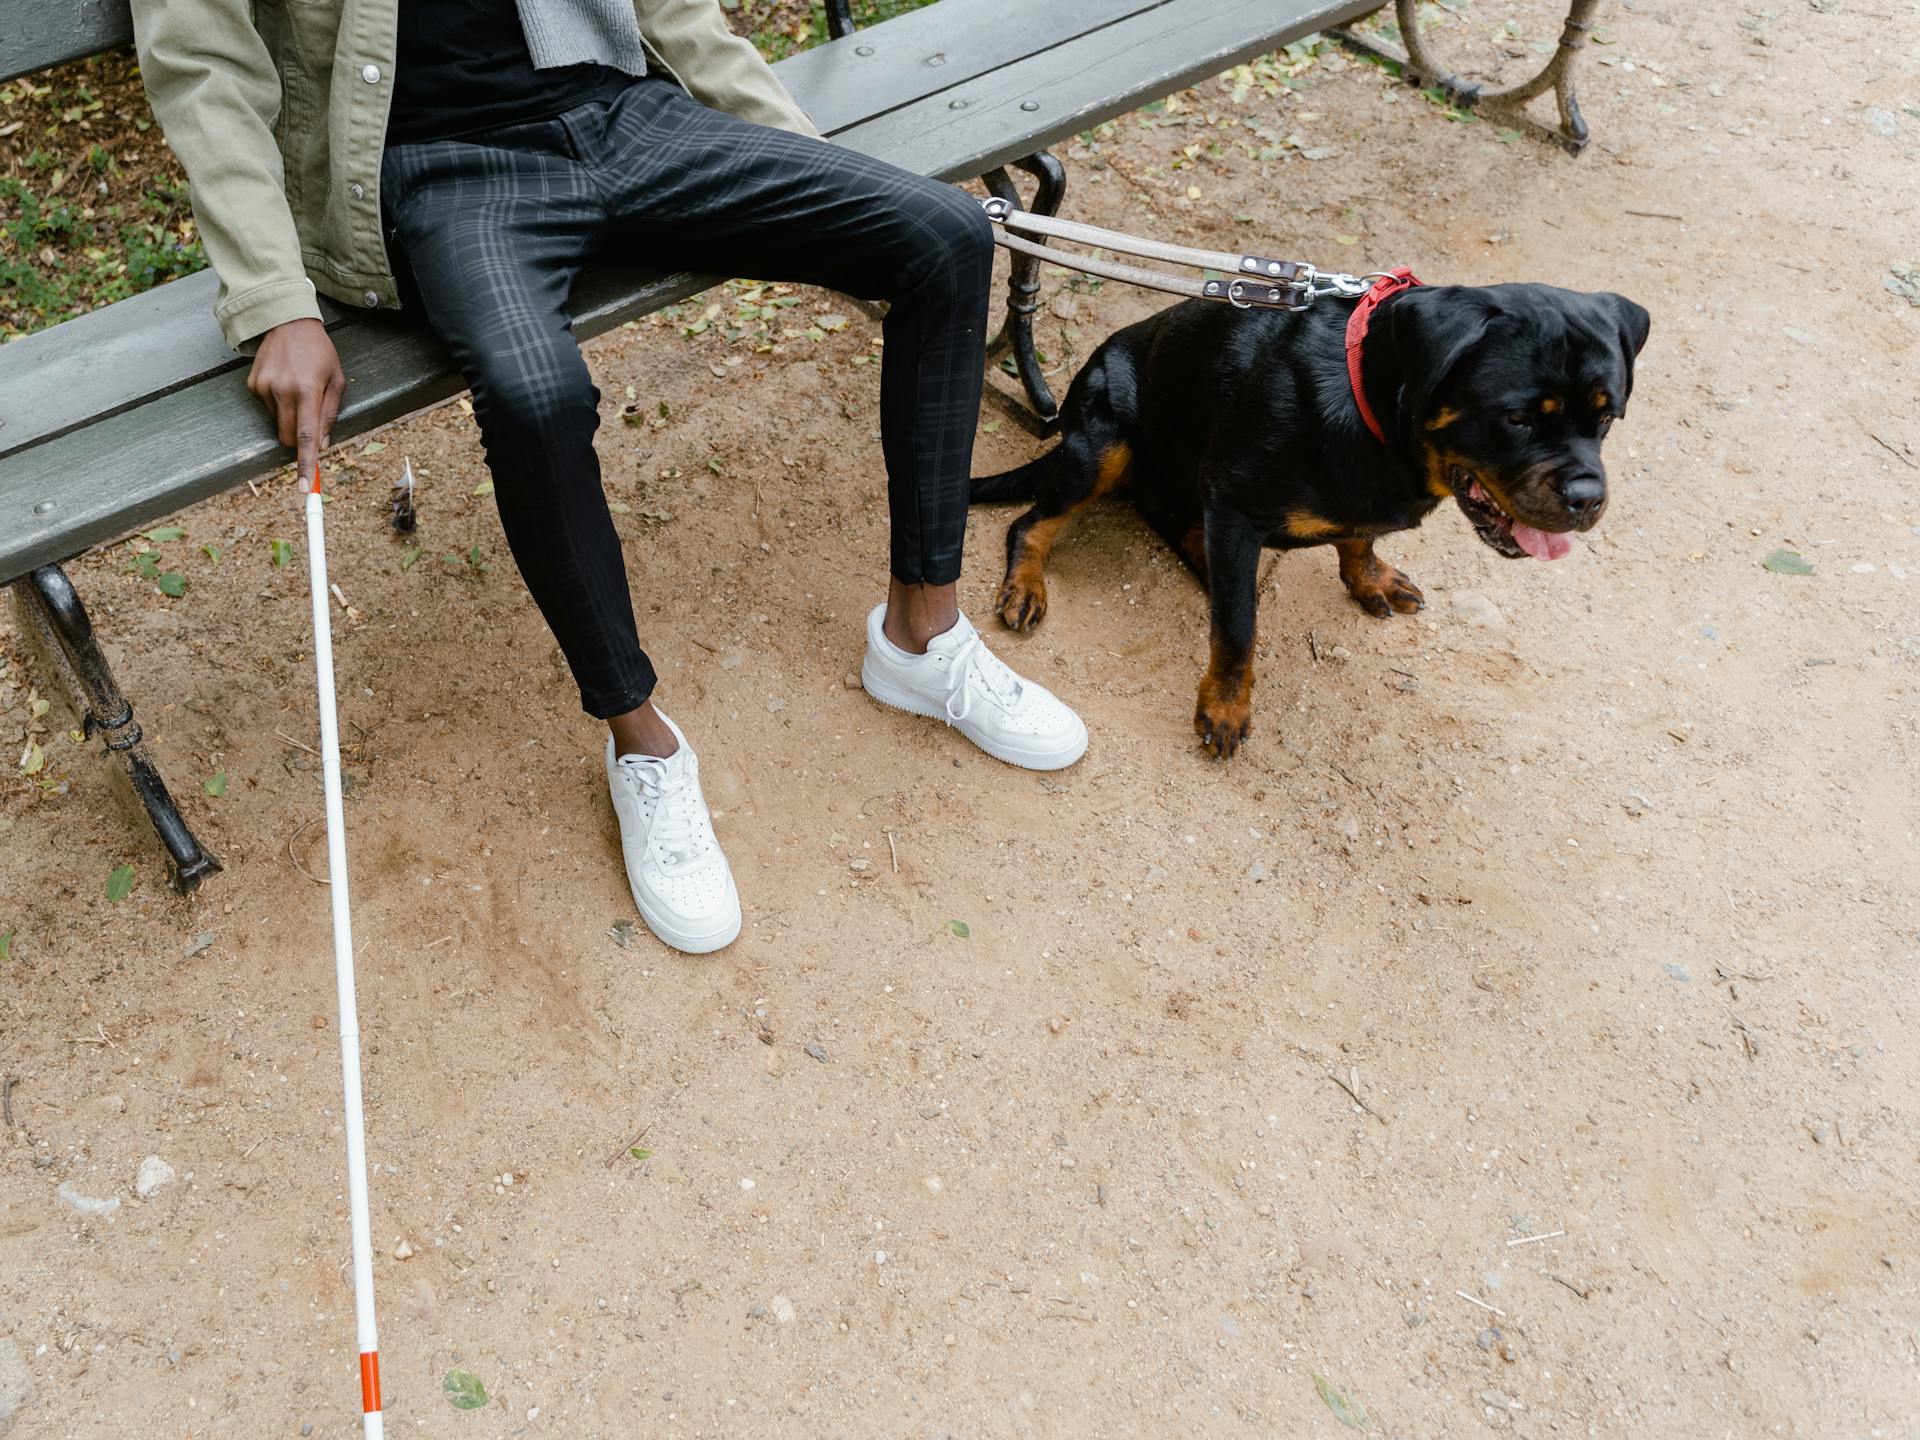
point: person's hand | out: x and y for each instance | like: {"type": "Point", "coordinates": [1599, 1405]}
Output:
{"type": "Point", "coordinates": [296, 374]}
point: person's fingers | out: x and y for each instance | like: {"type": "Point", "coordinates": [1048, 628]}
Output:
{"type": "Point", "coordinates": [330, 405]}
{"type": "Point", "coordinates": [307, 432]}
{"type": "Point", "coordinates": [281, 405]}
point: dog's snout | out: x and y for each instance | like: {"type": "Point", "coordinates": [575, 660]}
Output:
{"type": "Point", "coordinates": [1583, 496]}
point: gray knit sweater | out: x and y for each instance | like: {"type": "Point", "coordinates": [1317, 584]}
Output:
{"type": "Point", "coordinates": [578, 32]}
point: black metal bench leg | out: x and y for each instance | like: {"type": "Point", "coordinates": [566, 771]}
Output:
{"type": "Point", "coordinates": [53, 607]}
{"type": "Point", "coordinates": [1419, 66]}
{"type": "Point", "coordinates": [1023, 286]}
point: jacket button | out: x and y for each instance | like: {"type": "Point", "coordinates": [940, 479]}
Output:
{"type": "Point", "coordinates": [372, 297]}
{"type": "Point", "coordinates": [357, 190]}
{"type": "Point", "coordinates": [370, 74]}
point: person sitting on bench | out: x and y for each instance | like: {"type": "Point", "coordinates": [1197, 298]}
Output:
{"type": "Point", "coordinates": [469, 157]}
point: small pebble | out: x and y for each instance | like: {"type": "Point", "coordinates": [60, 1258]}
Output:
{"type": "Point", "coordinates": [1476, 609]}
{"type": "Point", "coordinates": [952, 1340]}
{"type": "Point", "coordinates": [152, 1174]}
{"type": "Point", "coordinates": [403, 1251]}
{"type": "Point", "coordinates": [850, 680]}
{"type": "Point", "coordinates": [1487, 1338]}
{"type": "Point", "coordinates": [814, 1049]}
{"type": "Point", "coordinates": [782, 1309]}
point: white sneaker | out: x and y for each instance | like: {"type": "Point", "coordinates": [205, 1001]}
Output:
{"type": "Point", "coordinates": [961, 682]}
{"type": "Point", "coordinates": [680, 879]}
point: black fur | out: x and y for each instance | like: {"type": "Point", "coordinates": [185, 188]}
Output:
{"type": "Point", "coordinates": [1233, 430]}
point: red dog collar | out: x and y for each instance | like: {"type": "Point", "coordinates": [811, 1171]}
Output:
{"type": "Point", "coordinates": [1391, 283]}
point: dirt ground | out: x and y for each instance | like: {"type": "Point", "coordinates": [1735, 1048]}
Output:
{"type": "Point", "coordinates": [1595, 882]}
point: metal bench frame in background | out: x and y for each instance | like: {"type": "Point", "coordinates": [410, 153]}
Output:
{"type": "Point", "coordinates": [149, 377]}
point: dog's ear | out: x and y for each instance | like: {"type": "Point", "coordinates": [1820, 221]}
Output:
{"type": "Point", "coordinates": [1632, 324]}
{"type": "Point", "coordinates": [1433, 329]}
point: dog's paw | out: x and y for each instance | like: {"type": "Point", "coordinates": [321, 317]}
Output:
{"type": "Point", "coordinates": [1022, 603]}
{"type": "Point", "coordinates": [1379, 589]}
{"type": "Point", "coordinates": [1222, 718]}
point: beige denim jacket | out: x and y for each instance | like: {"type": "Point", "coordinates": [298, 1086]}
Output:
{"type": "Point", "coordinates": [277, 110]}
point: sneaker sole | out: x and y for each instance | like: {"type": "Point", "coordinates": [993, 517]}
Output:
{"type": "Point", "coordinates": [665, 932]}
{"type": "Point", "coordinates": [887, 694]}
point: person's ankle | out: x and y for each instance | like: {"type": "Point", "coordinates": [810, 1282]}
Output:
{"type": "Point", "coordinates": [897, 630]}
{"type": "Point", "coordinates": [917, 613]}
{"type": "Point", "coordinates": [642, 732]}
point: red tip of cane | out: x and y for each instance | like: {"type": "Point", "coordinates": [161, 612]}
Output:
{"type": "Point", "coordinates": [370, 1381]}
{"type": "Point", "coordinates": [316, 477]}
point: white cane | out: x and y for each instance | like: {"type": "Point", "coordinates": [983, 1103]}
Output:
{"type": "Point", "coordinates": [355, 1116]}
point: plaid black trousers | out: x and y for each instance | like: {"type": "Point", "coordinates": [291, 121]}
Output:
{"type": "Point", "coordinates": [491, 229]}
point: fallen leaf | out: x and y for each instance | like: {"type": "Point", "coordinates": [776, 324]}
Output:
{"type": "Point", "coordinates": [411, 554]}
{"type": "Point", "coordinates": [119, 883]}
{"type": "Point", "coordinates": [373, 447]}
{"type": "Point", "coordinates": [279, 552]}
{"type": "Point", "coordinates": [164, 534]}
{"type": "Point", "coordinates": [172, 584]}
{"type": "Point", "coordinates": [960, 928]}
{"type": "Point", "coordinates": [1787, 562]}
{"type": "Point", "coordinates": [485, 487]}
{"type": "Point", "coordinates": [40, 707]}
{"type": "Point", "coordinates": [6, 944]}
{"type": "Point", "coordinates": [33, 759]}
{"type": "Point", "coordinates": [640, 1152]}
{"type": "Point", "coordinates": [217, 786]}
{"type": "Point", "coordinates": [464, 1390]}
{"type": "Point", "coordinates": [1346, 1410]}
{"type": "Point", "coordinates": [200, 942]}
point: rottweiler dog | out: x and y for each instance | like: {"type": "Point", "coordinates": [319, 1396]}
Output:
{"type": "Point", "coordinates": [1236, 429]}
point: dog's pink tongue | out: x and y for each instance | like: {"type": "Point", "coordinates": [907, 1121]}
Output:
{"type": "Point", "coordinates": [1540, 544]}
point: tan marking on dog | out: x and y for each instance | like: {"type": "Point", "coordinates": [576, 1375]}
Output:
{"type": "Point", "coordinates": [1446, 416]}
{"type": "Point", "coordinates": [1305, 525]}
{"type": "Point", "coordinates": [1022, 601]}
{"type": "Point", "coordinates": [1601, 400]}
{"type": "Point", "coordinates": [1378, 588]}
{"type": "Point", "coordinates": [1550, 406]}
{"type": "Point", "coordinates": [1223, 710]}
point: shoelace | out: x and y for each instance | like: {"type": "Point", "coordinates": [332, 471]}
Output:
{"type": "Point", "coordinates": [974, 662]}
{"type": "Point", "coordinates": [673, 830]}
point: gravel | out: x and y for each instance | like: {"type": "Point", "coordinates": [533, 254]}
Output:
{"type": "Point", "coordinates": [16, 1384]}
{"type": "Point", "coordinates": [86, 1204]}
{"type": "Point", "coordinates": [151, 1176]}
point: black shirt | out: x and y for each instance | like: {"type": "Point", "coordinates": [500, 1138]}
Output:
{"type": "Point", "coordinates": [463, 65]}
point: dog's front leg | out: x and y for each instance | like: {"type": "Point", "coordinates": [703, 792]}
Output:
{"type": "Point", "coordinates": [1223, 714]}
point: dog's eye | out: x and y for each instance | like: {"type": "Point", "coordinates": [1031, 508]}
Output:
{"type": "Point", "coordinates": [1519, 420]}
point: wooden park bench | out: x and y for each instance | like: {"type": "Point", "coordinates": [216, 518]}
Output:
{"type": "Point", "coordinates": [111, 421]}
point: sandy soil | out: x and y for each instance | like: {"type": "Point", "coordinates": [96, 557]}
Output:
{"type": "Point", "coordinates": [1597, 888]}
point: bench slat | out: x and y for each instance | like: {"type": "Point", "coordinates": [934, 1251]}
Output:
{"type": "Point", "coordinates": [37, 33]}
{"type": "Point", "coordinates": [1104, 73]}
{"type": "Point", "coordinates": [135, 467]}
{"type": "Point", "coordinates": [930, 50]}
{"type": "Point", "coordinates": [179, 424]}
